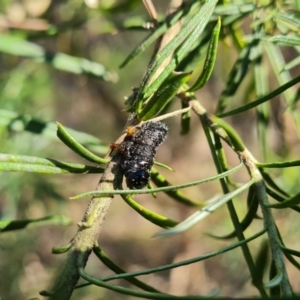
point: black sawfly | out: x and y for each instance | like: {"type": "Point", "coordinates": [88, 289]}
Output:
{"type": "Point", "coordinates": [138, 151]}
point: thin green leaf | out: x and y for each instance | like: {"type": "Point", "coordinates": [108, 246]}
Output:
{"type": "Point", "coordinates": [18, 123]}
{"type": "Point", "coordinates": [290, 251]}
{"type": "Point", "coordinates": [156, 163]}
{"type": "Point", "coordinates": [233, 9]}
{"type": "Point", "coordinates": [251, 199]}
{"type": "Point", "coordinates": [292, 260]}
{"type": "Point", "coordinates": [234, 138]}
{"type": "Point", "coordinates": [204, 212]}
{"type": "Point", "coordinates": [275, 290]}
{"type": "Point", "coordinates": [280, 198]}
{"type": "Point", "coordinates": [21, 224]}
{"type": "Point", "coordinates": [277, 60]}
{"type": "Point", "coordinates": [162, 189]}
{"type": "Point", "coordinates": [209, 60]}
{"type": "Point", "coordinates": [186, 37]}
{"type": "Point", "coordinates": [261, 88]}
{"type": "Point", "coordinates": [197, 51]}
{"type": "Point", "coordinates": [249, 217]}
{"type": "Point", "coordinates": [285, 40]}
{"type": "Point", "coordinates": [293, 63]}
{"type": "Point", "coordinates": [23, 163]}
{"type": "Point", "coordinates": [45, 293]}
{"type": "Point", "coordinates": [68, 140]}
{"type": "Point", "coordinates": [118, 270]}
{"type": "Point", "coordinates": [150, 186]}
{"type": "Point", "coordinates": [291, 202]}
{"type": "Point", "coordinates": [112, 8]}
{"type": "Point", "coordinates": [148, 214]}
{"type": "Point", "coordinates": [261, 262]}
{"type": "Point", "coordinates": [263, 99]}
{"type": "Point", "coordinates": [236, 76]}
{"type": "Point", "coordinates": [289, 18]}
{"type": "Point", "coordinates": [16, 46]}
{"type": "Point", "coordinates": [164, 95]}
{"type": "Point", "coordinates": [161, 181]}
{"type": "Point", "coordinates": [275, 281]}
{"type": "Point", "coordinates": [159, 32]}
{"type": "Point", "coordinates": [179, 264]}
{"type": "Point", "coordinates": [61, 249]}
{"type": "Point", "coordinates": [184, 262]}
{"type": "Point", "coordinates": [286, 253]}
{"type": "Point", "coordinates": [271, 183]}
{"type": "Point", "coordinates": [286, 164]}
{"type": "Point", "coordinates": [135, 22]}
{"type": "Point", "coordinates": [126, 291]}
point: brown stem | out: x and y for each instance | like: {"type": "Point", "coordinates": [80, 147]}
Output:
{"type": "Point", "coordinates": [87, 235]}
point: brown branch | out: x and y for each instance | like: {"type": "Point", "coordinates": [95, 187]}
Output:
{"type": "Point", "coordinates": [87, 235]}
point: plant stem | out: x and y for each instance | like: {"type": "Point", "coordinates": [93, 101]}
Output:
{"type": "Point", "coordinates": [274, 239]}
{"type": "Point", "coordinates": [233, 215]}
{"type": "Point", "coordinates": [87, 235]}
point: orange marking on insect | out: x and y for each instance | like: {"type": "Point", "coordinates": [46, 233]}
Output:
{"type": "Point", "coordinates": [131, 130]}
{"type": "Point", "coordinates": [114, 146]}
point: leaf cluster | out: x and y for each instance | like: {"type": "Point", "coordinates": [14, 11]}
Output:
{"type": "Point", "coordinates": [262, 34]}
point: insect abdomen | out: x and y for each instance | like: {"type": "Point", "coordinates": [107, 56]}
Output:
{"type": "Point", "coordinates": [139, 151]}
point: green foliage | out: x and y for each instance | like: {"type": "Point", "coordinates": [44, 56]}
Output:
{"type": "Point", "coordinates": [163, 96]}
{"type": "Point", "coordinates": [56, 60]}
{"type": "Point", "coordinates": [209, 60]}
{"type": "Point", "coordinates": [21, 224]}
{"type": "Point", "coordinates": [15, 46]}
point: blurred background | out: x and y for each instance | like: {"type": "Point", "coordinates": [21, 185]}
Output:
{"type": "Point", "coordinates": [37, 94]}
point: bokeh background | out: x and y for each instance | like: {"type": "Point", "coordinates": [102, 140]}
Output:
{"type": "Point", "coordinates": [105, 32]}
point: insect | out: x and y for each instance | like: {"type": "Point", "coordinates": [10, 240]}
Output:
{"type": "Point", "coordinates": [138, 151]}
